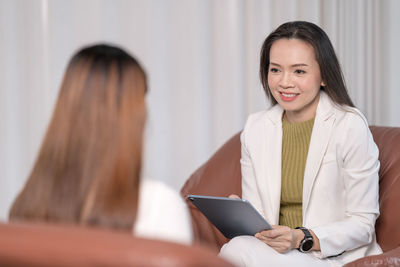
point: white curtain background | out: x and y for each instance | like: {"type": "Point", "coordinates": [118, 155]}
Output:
{"type": "Point", "coordinates": [202, 60]}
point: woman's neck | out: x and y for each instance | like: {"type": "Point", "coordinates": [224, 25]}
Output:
{"type": "Point", "coordinates": [304, 114]}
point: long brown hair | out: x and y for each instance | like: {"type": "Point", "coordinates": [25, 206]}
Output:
{"type": "Point", "coordinates": [87, 171]}
{"type": "Point", "coordinates": [331, 72]}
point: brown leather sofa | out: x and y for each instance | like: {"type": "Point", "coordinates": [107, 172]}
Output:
{"type": "Point", "coordinates": [221, 176]}
{"type": "Point", "coordinates": [44, 245]}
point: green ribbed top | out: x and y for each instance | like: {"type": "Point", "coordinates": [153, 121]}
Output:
{"type": "Point", "coordinates": [295, 143]}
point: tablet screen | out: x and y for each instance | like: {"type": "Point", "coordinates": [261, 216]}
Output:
{"type": "Point", "coordinates": [232, 217]}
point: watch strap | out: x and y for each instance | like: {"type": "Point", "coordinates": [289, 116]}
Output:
{"type": "Point", "coordinates": [306, 232]}
{"type": "Point", "coordinates": [305, 245]}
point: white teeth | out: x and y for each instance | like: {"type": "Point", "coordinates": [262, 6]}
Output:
{"type": "Point", "coordinates": [288, 95]}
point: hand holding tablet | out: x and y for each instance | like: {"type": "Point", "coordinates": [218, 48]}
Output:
{"type": "Point", "coordinates": [231, 216]}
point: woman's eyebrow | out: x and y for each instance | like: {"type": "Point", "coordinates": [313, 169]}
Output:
{"type": "Point", "coordinates": [275, 64]}
{"type": "Point", "coordinates": [294, 65]}
{"type": "Point", "coordinates": [300, 65]}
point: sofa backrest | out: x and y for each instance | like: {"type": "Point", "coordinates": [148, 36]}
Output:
{"type": "Point", "coordinates": [64, 246]}
{"type": "Point", "coordinates": [221, 176]}
{"type": "Point", "coordinates": [387, 226]}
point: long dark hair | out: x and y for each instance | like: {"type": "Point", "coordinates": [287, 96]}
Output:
{"type": "Point", "coordinates": [331, 72]}
{"type": "Point", "coordinates": [87, 171]}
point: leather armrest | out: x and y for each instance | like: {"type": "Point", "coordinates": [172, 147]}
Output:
{"type": "Point", "coordinates": [48, 245]}
{"type": "Point", "coordinates": [389, 258]}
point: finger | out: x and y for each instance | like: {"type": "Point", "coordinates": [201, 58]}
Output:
{"type": "Point", "coordinates": [234, 196]}
{"type": "Point", "coordinates": [282, 229]}
{"type": "Point", "coordinates": [261, 237]}
{"type": "Point", "coordinates": [277, 243]}
{"type": "Point", "coordinates": [282, 237]}
{"type": "Point", "coordinates": [274, 233]}
{"type": "Point", "coordinates": [281, 243]}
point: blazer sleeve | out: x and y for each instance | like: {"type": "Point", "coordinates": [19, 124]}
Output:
{"type": "Point", "coordinates": [360, 166]}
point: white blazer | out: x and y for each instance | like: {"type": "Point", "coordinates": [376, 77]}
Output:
{"type": "Point", "coordinates": [340, 187]}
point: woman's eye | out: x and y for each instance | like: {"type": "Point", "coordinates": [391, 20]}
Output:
{"type": "Point", "coordinates": [273, 70]}
{"type": "Point", "coordinates": [299, 71]}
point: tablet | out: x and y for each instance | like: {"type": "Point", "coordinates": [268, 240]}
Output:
{"type": "Point", "coordinates": [231, 216]}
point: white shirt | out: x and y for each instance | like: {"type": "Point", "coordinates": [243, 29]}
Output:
{"type": "Point", "coordinates": [162, 214]}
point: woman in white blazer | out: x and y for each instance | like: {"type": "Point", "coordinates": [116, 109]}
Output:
{"type": "Point", "coordinates": [339, 197]}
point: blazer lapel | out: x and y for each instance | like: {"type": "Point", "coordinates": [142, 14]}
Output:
{"type": "Point", "coordinates": [272, 150]}
{"type": "Point", "coordinates": [318, 144]}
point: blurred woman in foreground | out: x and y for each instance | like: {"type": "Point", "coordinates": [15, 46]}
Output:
{"type": "Point", "coordinates": [88, 168]}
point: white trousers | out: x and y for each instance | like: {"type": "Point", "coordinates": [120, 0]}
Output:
{"type": "Point", "coordinates": [251, 252]}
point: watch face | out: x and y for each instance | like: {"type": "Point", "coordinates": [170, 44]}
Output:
{"type": "Point", "coordinates": [307, 245]}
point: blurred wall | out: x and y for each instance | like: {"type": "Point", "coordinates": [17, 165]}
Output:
{"type": "Point", "coordinates": [202, 62]}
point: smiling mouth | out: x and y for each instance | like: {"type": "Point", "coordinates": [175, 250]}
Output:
{"type": "Point", "coordinates": [287, 97]}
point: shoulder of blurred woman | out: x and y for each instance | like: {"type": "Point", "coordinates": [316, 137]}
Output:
{"type": "Point", "coordinates": [162, 213]}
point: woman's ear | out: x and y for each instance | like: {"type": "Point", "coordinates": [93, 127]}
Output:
{"type": "Point", "coordinates": [323, 83]}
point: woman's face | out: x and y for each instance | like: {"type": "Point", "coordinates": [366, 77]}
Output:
{"type": "Point", "coordinates": [294, 78]}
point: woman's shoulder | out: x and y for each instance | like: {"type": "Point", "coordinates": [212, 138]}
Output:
{"type": "Point", "coordinates": [351, 127]}
{"type": "Point", "coordinates": [162, 213]}
{"type": "Point", "coordinates": [351, 117]}
{"type": "Point", "coordinates": [151, 186]}
{"type": "Point", "coordinates": [157, 195]}
{"type": "Point", "coordinates": [257, 123]}
{"type": "Point", "coordinates": [272, 114]}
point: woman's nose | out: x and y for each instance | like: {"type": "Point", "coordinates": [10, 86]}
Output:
{"type": "Point", "coordinates": [285, 81]}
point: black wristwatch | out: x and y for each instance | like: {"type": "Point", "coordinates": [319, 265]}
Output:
{"type": "Point", "coordinates": [308, 241]}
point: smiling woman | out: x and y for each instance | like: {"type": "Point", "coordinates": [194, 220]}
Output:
{"type": "Point", "coordinates": [284, 149]}
{"type": "Point", "coordinates": [294, 75]}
